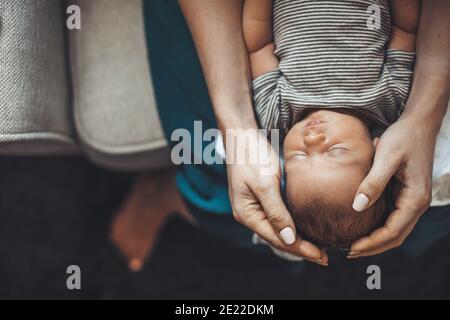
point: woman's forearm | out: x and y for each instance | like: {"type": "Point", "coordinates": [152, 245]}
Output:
{"type": "Point", "coordinates": [430, 90]}
{"type": "Point", "coordinates": [216, 27]}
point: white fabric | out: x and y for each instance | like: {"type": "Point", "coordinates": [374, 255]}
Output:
{"type": "Point", "coordinates": [441, 171]}
{"type": "Point", "coordinates": [257, 240]}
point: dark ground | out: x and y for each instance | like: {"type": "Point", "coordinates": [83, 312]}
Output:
{"type": "Point", "coordinates": [55, 212]}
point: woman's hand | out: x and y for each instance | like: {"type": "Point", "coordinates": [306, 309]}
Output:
{"type": "Point", "coordinates": [216, 27]}
{"type": "Point", "coordinates": [406, 151]}
{"type": "Point", "coordinates": [254, 186]}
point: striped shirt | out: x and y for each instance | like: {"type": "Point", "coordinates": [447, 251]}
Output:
{"type": "Point", "coordinates": [331, 56]}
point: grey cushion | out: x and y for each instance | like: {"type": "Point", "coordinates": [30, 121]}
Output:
{"type": "Point", "coordinates": [35, 116]}
{"type": "Point", "coordinates": [113, 115]}
{"type": "Point", "coordinates": [114, 105]}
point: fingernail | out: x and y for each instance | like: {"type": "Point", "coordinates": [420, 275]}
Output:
{"type": "Point", "coordinates": [354, 253]}
{"type": "Point", "coordinates": [288, 235]}
{"type": "Point", "coordinates": [320, 262]}
{"type": "Point", "coordinates": [361, 202]}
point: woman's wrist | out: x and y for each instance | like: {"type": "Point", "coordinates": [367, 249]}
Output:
{"type": "Point", "coordinates": [429, 120]}
{"type": "Point", "coordinates": [235, 114]}
{"type": "Point", "coordinates": [427, 106]}
{"type": "Point", "coordinates": [429, 96]}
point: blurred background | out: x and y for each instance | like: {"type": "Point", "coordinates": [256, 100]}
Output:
{"type": "Point", "coordinates": [110, 93]}
{"type": "Point", "coordinates": [47, 224]}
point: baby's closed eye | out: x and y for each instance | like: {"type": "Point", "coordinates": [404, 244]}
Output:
{"type": "Point", "coordinates": [337, 151]}
{"type": "Point", "coordinates": [299, 155]}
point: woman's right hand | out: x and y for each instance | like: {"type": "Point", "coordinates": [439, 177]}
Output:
{"type": "Point", "coordinates": [254, 188]}
{"type": "Point", "coordinates": [216, 27]}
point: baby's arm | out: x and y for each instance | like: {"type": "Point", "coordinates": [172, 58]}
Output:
{"type": "Point", "coordinates": [258, 34]}
{"type": "Point", "coordinates": [405, 20]}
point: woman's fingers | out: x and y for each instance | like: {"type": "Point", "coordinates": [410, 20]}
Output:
{"type": "Point", "coordinates": [384, 168]}
{"type": "Point", "coordinates": [397, 154]}
{"type": "Point", "coordinates": [261, 225]}
{"type": "Point", "coordinates": [388, 246]}
{"type": "Point", "coordinates": [277, 213]}
{"type": "Point", "coordinates": [257, 202]}
{"type": "Point", "coordinates": [402, 220]}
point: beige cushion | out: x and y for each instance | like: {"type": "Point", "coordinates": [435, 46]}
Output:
{"type": "Point", "coordinates": [114, 105]}
{"type": "Point", "coordinates": [35, 116]}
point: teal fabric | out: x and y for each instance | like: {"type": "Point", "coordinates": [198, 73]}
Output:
{"type": "Point", "coordinates": [182, 98]}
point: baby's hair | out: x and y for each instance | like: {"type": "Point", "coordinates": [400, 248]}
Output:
{"type": "Point", "coordinates": [336, 225]}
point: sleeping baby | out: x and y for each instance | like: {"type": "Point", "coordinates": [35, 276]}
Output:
{"type": "Point", "coordinates": [329, 75]}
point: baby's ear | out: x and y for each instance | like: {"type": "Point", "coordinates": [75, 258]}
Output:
{"type": "Point", "coordinates": [375, 141]}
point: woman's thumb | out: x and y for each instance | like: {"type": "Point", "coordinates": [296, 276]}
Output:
{"type": "Point", "coordinates": [373, 186]}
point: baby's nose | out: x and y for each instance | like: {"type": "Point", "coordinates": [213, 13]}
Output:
{"type": "Point", "coordinates": [313, 137]}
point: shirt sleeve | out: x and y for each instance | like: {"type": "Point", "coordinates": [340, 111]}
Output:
{"type": "Point", "coordinates": [266, 99]}
{"type": "Point", "coordinates": [400, 65]}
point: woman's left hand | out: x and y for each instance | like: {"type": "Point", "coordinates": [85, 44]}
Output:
{"type": "Point", "coordinates": [405, 150]}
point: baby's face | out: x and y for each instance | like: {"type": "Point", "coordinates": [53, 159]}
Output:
{"type": "Point", "coordinates": [327, 152]}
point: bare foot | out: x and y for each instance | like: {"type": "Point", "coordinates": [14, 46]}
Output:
{"type": "Point", "coordinates": [153, 198]}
